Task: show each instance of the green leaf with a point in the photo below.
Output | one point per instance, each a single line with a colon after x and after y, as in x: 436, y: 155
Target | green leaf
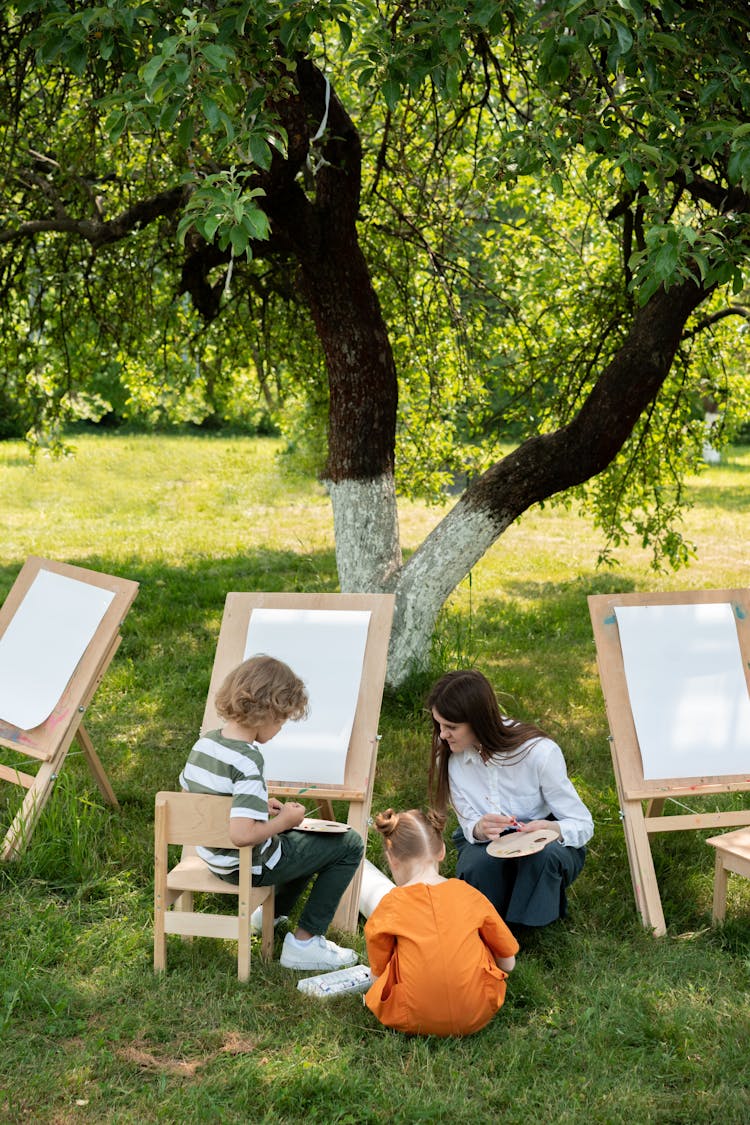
x: 51, y: 47
x: 256, y: 224
x: 738, y: 168
x: 391, y: 92
x: 558, y: 68
x: 633, y: 172
x: 168, y: 115
x: 151, y: 69
x: 211, y: 111
x: 260, y: 151
x: 78, y: 59
x: 664, y: 262
x: 624, y: 37
x: 210, y: 226
x: 115, y: 126
x: 217, y: 56
x: 185, y: 132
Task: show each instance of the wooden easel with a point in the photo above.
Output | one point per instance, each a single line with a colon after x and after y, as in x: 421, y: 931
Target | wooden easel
x: 50, y: 741
x: 632, y: 788
x: 361, y: 758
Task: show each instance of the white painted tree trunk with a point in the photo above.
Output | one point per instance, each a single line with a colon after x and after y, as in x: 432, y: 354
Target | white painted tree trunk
x: 368, y: 557
x: 430, y: 576
x: 365, y: 514
x: 365, y: 525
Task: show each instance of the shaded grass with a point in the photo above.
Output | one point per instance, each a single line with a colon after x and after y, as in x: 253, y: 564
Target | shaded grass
x: 602, y: 1023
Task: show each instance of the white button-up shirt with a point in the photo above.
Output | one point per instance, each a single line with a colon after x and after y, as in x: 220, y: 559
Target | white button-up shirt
x: 530, y: 783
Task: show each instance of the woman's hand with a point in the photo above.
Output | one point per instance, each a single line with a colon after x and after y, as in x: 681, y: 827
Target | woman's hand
x: 535, y: 825
x: 492, y: 825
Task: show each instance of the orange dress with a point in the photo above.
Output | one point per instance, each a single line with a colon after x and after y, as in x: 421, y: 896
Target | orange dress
x: 431, y: 948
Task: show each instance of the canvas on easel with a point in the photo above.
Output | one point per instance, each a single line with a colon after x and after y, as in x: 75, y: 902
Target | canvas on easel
x: 338, y: 645
x: 674, y: 674
x: 59, y: 630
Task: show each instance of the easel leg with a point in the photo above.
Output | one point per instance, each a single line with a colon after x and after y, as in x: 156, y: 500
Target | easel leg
x: 347, y: 915
x: 326, y: 807
x: 96, y: 767
x: 645, y: 886
x: 25, y: 819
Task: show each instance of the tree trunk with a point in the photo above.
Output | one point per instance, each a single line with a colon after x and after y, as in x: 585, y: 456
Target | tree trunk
x: 320, y: 229
x: 536, y: 470
x: 319, y: 226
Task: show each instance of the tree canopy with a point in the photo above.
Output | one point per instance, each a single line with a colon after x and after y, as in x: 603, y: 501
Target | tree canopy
x: 421, y: 229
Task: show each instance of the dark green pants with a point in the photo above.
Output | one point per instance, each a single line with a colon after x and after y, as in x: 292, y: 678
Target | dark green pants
x: 331, y: 860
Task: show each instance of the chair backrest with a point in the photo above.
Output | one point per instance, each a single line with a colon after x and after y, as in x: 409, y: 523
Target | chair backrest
x: 194, y: 818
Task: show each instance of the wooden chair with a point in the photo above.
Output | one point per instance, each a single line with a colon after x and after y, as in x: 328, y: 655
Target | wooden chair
x: 732, y: 854
x: 193, y: 819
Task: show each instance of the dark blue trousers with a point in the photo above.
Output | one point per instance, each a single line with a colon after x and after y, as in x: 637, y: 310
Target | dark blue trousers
x: 528, y: 891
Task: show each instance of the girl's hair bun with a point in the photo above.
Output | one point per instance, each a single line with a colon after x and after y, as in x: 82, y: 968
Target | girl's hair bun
x: 410, y: 834
x: 436, y: 820
x: 387, y: 822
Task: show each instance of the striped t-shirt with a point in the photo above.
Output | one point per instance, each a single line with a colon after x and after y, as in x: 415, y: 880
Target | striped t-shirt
x: 231, y: 768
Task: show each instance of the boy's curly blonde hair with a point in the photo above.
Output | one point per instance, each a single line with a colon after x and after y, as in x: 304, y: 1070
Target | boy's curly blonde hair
x: 262, y: 688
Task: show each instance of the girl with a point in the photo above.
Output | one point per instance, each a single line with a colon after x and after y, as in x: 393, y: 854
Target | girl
x: 440, y: 951
x: 501, y: 775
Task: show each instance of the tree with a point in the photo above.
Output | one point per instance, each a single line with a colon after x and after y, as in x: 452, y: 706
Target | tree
x: 227, y: 145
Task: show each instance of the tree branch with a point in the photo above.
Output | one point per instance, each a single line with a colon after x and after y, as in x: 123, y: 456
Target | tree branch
x: 102, y: 233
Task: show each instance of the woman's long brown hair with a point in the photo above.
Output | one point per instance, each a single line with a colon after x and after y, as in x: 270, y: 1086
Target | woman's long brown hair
x: 468, y: 697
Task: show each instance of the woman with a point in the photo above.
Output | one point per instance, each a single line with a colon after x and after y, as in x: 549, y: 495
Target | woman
x: 501, y: 775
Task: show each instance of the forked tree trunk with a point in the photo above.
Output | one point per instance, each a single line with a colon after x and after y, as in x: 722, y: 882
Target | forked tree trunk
x: 335, y: 280
x: 536, y: 470
x: 319, y: 229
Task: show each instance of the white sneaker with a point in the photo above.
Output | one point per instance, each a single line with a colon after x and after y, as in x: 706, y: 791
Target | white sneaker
x: 256, y: 920
x: 318, y: 954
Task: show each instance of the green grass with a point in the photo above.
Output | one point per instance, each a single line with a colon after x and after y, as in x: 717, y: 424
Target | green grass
x: 602, y: 1023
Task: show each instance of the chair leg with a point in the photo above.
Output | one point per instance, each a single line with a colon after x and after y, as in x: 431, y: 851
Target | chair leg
x: 720, y: 889
x: 185, y: 901
x: 243, y: 938
x: 267, y: 928
x: 160, y: 939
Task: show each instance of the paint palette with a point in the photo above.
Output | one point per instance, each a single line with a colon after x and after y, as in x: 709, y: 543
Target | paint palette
x: 517, y: 844
x: 312, y: 824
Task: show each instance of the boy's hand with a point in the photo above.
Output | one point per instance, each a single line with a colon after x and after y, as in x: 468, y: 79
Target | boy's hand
x: 274, y: 806
x: 292, y: 814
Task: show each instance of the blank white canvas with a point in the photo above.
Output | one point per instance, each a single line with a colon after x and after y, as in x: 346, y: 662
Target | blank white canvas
x: 688, y: 693
x: 43, y: 643
x: 326, y: 649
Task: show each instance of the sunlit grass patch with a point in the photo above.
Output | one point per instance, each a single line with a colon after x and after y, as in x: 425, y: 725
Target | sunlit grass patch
x: 602, y: 1023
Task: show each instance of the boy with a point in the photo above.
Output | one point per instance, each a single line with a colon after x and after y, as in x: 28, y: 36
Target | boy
x: 255, y: 700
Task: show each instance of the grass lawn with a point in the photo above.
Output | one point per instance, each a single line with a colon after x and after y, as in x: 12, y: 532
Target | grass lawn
x: 602, y: 1022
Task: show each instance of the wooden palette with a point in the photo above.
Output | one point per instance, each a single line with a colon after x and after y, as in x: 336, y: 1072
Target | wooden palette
x: 312, y: 824
x: 517, y: 844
